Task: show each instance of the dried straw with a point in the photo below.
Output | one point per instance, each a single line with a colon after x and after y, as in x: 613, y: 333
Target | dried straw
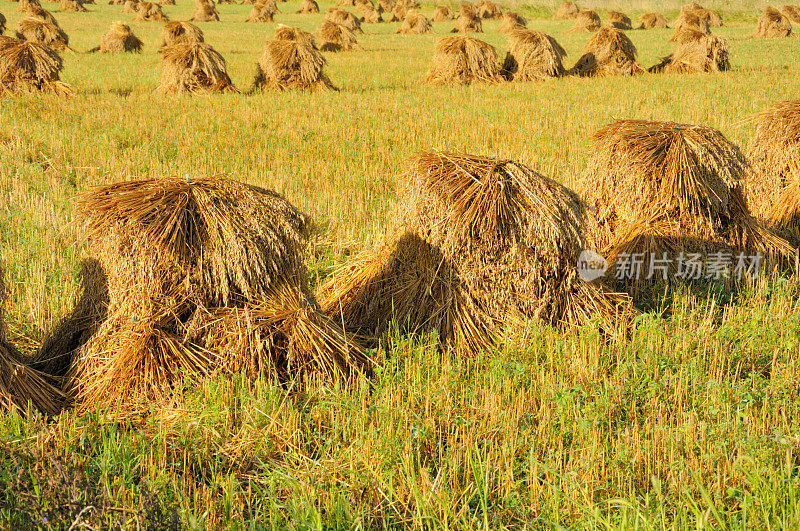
x: 120, y: 39
x: 533, y: 56
x: 194, y: 67
x: 150, y: 12
x: 442, y: 14
x: 791, y: 11
x: 462, y: 60
x: 608, y: 52
x: 467, y: 22
x: 263, y: 11
x: 205, y: 11
x: 567, y: 10
x: 699, y: 53
x: 344, y: 18
x: 488, y: 9
x: 586, y: 20
x: 30, y: 67
x: 773, y: 24
x: 415, y: 23
x: 292, y: 62
x: 653, y: 21
x: 619, y: 20
x: 72, y: 5
x: 512, y: 22
x: 177, y: 32
x: 334, y: 37
x: 37, y: 30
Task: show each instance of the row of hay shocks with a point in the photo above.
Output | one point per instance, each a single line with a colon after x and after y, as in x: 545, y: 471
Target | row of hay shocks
x: 186, y: 279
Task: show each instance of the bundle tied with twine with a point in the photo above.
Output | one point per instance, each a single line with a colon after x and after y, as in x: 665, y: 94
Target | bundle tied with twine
x: 459, y: 59
x: 204, y: 277
x: 511, y: 22
x: 443, y: 14
x: 415, y: 24
x: 475, y: 244
x: 663, y: 187
x: 308, y: 7
x: 150, y: 12
x: 533, y: 56
x: 567, y: 10
x: 262, y: 11
x: 619, y: 20
x: 194, y: 67
x: 334, y: 37
x: 773, y: 24
x: 702, y: 53
x: 28, y: 67
x: 292, y: 62
x: 608, y: 52
x: 120, y: 39
x: 653, y: 21
x: 177, y: 32
x: 773, y: 189
x: 205, y: 11
x: 39, y: 29
x: 468, y: 21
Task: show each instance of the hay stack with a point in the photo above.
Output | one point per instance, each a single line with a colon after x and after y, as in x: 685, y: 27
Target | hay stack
x: 19, y: 383
x: 468, y: 21
x: 792, y: 12
x: 512, y: 22
x: 205, y: 11
x: 36, y: 30
x: 475, y: 244
x: 487, y: 9
x: 416, y: 24
x: 567, y: 10
x: 150, y: 12
x: 131, y: 7
x: 263, y: 11
x: 27, y: 6
x: 533, y: 56
x: 694, y: 16
x: 177, y: 32
x: 698, y: 53
x: 30, y: 67
x: 653, y: 21
x: 619, y: 20
x: 586, y: 20
x: 37, y: 11
x: 344, y: 18
x: 608, y: 52
x: 2, y: 23
x: 292, y: 62
x: 75, y: 6
x: 308, y: 7
x: 663, y: 187
x: 194, y: 67
x: 386, y: 6
x: 289, y: 33
x: 773, y: 24
x: 773, y: 189
x: 334, y: 37
x: 120, y: 39
x: 368, y: 13
x: 398, y: 12
x: 462, y: 60
x: 442, y: 14
x: 204, y: 277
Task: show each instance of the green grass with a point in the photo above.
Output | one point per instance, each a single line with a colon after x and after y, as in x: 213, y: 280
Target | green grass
x: 690, y: 422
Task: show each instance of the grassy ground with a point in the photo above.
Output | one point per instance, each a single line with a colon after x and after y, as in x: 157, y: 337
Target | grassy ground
x: 691, y: 422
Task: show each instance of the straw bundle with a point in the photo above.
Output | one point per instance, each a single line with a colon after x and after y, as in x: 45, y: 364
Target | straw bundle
x: 368, y: 13
x: 308, y: 6
x: 512, y: 22
x: 475, y: 244
x: 20, y: 384
x: 345, y: 3
x: 619, y: 20
x: 39, y: 31
x: 712, y: 17
x: 699, y: 53
x: 26, y: 6
x: 663, y: 187
x: 292, y: 64
x: 608, y: 52
x: 692, y: 16
x: 205, y: 11
x: 462, y: 60
x: 2, y: 23
x: 442, y: 14
x: 773, y: 24
x: 398, y: 12
x: 488, y: 9
x: 30, y: 67
x: 533, y: 56
x: 150, y: 12
x: 177, y: 32
x: 120, y: 39
x: 289, y: 33
x: 773, y: 190
x: 334, y: 37
x: 344, y: 18
x: 204, y: 277
x: 792, y: 12
x: 37, y: 11
x: 653, y: 21
x: 194, y: 67
x: 415, y: 23
x: 263, y: 11
x: 131, y: 7
x: 166, y: 2
x: 386, y: 6
x: 567, y: 10
x: 72, y: 5
x: 117, y: 2
x: 586, y: 20
x: 468, y: 22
